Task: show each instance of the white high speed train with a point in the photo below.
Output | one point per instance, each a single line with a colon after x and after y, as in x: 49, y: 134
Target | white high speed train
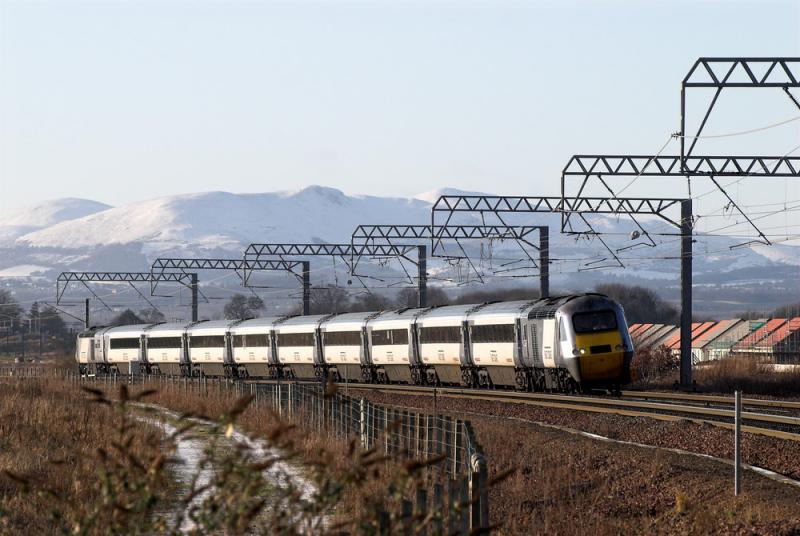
x: 562, y: 343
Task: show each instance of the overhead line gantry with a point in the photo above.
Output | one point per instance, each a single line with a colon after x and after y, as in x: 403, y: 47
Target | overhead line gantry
x: 345, y: 252
x: 436, y: 234
x: 187, y: 279
x: 239, y: 266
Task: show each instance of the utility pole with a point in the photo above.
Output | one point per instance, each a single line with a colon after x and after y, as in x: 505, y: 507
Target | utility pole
x: 86, y: 322
x: 193, y: 286
x: 422, y: 276
x: 686, y: 292
x: 544, y: 261
x: 306, y: 288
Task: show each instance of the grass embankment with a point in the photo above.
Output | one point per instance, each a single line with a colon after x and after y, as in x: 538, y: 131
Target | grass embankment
x: 69, y: 465
x: 657, y: 369
x: 570, y: 484
x: 63, y: 460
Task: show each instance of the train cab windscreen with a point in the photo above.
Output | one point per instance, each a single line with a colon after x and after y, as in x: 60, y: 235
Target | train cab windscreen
x: 594, y: 321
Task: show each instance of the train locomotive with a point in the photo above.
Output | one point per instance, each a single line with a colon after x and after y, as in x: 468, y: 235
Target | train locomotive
x: 567, y: 343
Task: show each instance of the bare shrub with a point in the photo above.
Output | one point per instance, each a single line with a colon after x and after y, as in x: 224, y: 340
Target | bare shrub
x: 653, y: 365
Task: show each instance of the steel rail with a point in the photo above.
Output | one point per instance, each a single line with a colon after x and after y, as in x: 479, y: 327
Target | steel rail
x: 712, y: 399
x: 602, y: 405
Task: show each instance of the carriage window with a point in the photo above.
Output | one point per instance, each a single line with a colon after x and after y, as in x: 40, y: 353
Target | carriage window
x: 257, y: 339
x: 493, y: 333
x: 238, y: 341
x: 440, y: 335
x: 295, y: 339
x: 594, y: 321
x: 342, y: 338
x: 381, y: 337
x: 163, y: 342
x: 207, y: 341
x: 131, y: 343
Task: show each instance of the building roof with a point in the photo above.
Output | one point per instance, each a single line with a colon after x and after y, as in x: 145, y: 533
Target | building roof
x: 780, y: 334
x: 760, y: 333
x: 716, y: 331
x: 658, y: 337
x: 698, y: 328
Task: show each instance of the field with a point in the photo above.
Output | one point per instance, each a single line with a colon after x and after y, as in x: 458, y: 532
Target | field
x: 560, y: 482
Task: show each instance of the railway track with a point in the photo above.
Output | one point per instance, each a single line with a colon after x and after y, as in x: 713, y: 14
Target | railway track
x: 763, y: 417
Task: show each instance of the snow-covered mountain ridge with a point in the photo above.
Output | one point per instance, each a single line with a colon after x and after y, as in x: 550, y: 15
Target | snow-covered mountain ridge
x: 77, y: 234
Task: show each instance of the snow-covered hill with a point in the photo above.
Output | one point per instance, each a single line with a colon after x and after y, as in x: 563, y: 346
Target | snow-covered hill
x: 78, y: 234
x: 222, y: 220
x: 45, y: 214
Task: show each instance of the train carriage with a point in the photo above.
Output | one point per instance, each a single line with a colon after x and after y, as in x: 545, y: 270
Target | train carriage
x: 344, y: 346
x: 443, y: 350
x: 123, y: 348
x: 209, y: 348
x: 298, y: 348
x: 166, y: 346
x: 252, y: 343
x: 496, y: 348
x: 89, y: 354
x: 393, y: 352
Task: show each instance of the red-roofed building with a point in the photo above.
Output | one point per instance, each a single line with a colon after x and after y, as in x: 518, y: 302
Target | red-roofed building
x: 747, y: 345
x: 716, y: 342
x: 783, y: 344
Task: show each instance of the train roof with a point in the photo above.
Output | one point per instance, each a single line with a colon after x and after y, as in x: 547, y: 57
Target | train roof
x: 299, y: 324
x: 210, y: 327
x: 396, y: 319
x: 167, y: 328
x: 127, y: 331
x: 501, y: 312
x: 446, y: 315
x: 348, y: 321
x: 257, y: 325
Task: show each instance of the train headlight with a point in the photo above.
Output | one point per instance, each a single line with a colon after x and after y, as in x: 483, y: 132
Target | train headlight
x: 582, y: 350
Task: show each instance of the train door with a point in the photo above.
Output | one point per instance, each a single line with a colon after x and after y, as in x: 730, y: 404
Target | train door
x: 549, y: 346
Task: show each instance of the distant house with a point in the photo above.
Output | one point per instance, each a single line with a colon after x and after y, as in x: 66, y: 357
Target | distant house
x: 782, y: 345
x: 698, y: 328
x: 747, y: 346
x: 716, y: 342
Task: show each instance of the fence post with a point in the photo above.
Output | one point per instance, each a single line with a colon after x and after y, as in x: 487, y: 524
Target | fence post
x: 479, y: 507
x: 362, y: 414
x: 421, y: 507
x: 464, y: 502
x: 438, y: 517
x: 737, y: 444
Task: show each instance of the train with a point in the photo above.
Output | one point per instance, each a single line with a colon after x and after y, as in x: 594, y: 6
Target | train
x: 570, y: 343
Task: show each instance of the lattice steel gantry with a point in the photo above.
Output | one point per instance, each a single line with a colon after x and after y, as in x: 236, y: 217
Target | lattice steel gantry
x: 436, y: 234
x: 187, y: 279
x: 735, y: 72
x: 345, y: 252
x: 239, y: 266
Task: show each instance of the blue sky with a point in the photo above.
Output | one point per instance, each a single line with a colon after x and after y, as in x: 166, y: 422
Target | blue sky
x: 122, y: 101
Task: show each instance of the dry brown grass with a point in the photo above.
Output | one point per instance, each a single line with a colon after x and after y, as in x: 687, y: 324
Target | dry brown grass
x: 749, y: 375
x: 50, y: 434
x: 570, y: 484
x: 657, y: 369
x: 111, y: 477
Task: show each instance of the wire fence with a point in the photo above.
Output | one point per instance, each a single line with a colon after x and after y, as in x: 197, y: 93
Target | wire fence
x: 455, y: 479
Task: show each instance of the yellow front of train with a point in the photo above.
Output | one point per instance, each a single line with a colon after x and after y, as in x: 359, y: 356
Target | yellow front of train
x: 597, y: 342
